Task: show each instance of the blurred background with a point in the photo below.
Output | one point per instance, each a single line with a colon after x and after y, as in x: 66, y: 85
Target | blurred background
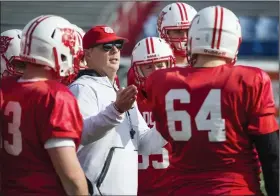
x: 136, y: 20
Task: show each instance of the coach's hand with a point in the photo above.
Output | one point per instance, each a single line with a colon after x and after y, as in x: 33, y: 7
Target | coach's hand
x: 125, y: 98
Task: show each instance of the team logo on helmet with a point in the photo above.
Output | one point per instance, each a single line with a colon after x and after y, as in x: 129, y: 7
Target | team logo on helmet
x: 69, y: 39
x: 4, y: 43
x: 160, y: 19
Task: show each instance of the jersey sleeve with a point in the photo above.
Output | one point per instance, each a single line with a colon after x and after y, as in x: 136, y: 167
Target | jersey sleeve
x: 59, y: 142
x: 262, y: 109
x: 59, y: 117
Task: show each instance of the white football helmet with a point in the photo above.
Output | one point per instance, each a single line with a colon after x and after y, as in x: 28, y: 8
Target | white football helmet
x: 51, y: 41
x: 9, y: 49
x: 79, y: 30
x: 215, y: 31
x: 80, y: 56
x: 175, y: 16
x: 81, y: 34
x: 150, y: 50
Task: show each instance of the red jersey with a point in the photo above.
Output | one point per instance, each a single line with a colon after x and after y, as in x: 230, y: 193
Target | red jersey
x: 152, y: 169
x: 207, y: 115
x: 131, y: 77
x: 34, y: 112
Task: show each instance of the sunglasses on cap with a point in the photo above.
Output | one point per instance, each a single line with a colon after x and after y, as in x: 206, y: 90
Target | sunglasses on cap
x: 108, y: 46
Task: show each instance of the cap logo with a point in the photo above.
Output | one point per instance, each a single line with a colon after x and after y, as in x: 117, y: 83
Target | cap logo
x: 108, y: 30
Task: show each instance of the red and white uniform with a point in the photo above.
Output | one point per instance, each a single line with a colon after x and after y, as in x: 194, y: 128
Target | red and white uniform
x: 181, y: 65
x: 271, y: 68
x: 207, y: 115
x: 10, y: 47
x: 152, y: 169
x: 33, y: 113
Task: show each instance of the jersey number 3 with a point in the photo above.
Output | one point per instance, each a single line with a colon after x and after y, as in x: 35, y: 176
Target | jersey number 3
x: 211, y: 105
x: 15, y: 147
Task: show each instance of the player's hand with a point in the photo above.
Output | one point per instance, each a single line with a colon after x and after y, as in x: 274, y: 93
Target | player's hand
x: 125, y: 98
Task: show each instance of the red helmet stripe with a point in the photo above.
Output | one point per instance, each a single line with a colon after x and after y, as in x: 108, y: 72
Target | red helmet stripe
x: 28, y: 38
x: 221, y: 28
x: 147, y: 45
x: 152, y: 45
x: 185, y: 10
x: 215, y: 27
x: 181, y: 11
x: 27, y: 34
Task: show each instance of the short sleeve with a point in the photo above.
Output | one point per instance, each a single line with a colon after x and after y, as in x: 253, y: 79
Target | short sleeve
x: 59, y: 142
x: 262, y: 110
x: 59, y: 117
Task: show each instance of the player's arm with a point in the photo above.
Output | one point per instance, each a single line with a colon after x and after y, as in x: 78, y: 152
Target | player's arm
x: 96, y: 124
x: 267, y: 146
x: 64, y: 159
x: 60, y: 131
x: 264, y: 131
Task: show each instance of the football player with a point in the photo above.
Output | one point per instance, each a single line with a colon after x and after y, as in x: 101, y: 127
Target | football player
x: 216, y: 115
x: 150, y: 54
x: 41, y: 122
x: 9, y: 52
x: 173, y: 25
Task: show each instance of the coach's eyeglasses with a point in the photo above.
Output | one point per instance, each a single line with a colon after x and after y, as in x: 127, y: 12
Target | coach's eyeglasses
x: 108, y: 46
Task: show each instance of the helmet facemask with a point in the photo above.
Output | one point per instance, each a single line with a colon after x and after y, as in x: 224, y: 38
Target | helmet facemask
x: 9, y: 50
x: 13, y: 67
x: 138, y: 68
x: 178, y: 44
